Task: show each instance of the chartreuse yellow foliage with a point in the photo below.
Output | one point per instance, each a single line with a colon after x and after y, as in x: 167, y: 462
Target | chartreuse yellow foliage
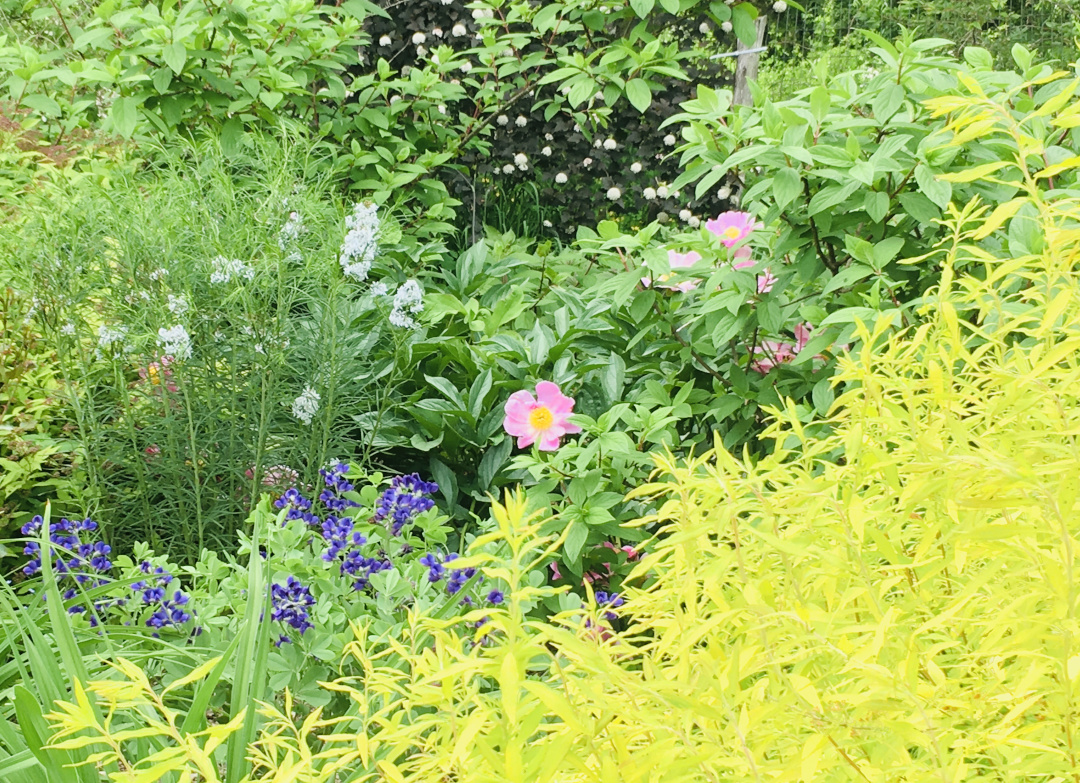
x: 896, y: 601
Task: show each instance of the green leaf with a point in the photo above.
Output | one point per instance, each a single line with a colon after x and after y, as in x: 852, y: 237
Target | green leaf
x: 642, y: 7
x: 863, y: 172
x: 175, y: 55
x: 575, y: 540
x: 639, y: 94
x: 271, y: 99
x: 786, y: 186
x: 933, y: 188
x: 823, y: 396
x: 887, y: 102
x: 877, y: 205
x: 494, y: 458
x: 124, y: 113
x: 232, y: 136
x: 820, y: 103
x: 742, y: 22
x: 845, y: 277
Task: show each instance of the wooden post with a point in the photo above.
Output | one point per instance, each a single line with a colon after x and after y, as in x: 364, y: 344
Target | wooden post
x: 746, y: 66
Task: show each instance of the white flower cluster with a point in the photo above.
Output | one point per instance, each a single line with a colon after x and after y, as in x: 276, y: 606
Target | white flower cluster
x: 67, y: 329
x: 306, y: 405
x: 291, y: 231
x: 109, y: 336
x: 159, y: 273
x: 175, y: 341
x: 361, y: 242
x: 408, y: 301
x: 178, y: 305
x: 225, y: 269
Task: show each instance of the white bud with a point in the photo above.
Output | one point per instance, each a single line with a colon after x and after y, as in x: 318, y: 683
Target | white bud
x: 635, y: 167
x: 694, y: 221
x: 508, y: 168
x: 385, y: 41
x: 521, y: 121
x: 437, y: 32
x: 560, y: 178
x: 523, y: 166
x: 521, y: 158
x: 442, y: 108
x: 610, y: 144
x: 548, y: 137
x: 597, y: 143
x: 587, y: 162
x: 662, y: 191
x: 685, y: 215
x: 649, y: 194
x: 395, y: 98
x: 614, y: 194
x: 458, y: 29
x: 546, y: 152
x: 465, y: 66
x: 418, y: 38
x: 669, y: 140
x: 547, y: 224
x: 478, y: 13
x: 779, y: 6
x: 734, y: 201
x: 434, y: 56
x: 723, y: 192
x: 502, y: 119
x: 704, y: 28
x: 727, y: 27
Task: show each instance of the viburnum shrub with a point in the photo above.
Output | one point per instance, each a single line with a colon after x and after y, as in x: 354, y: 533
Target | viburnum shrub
x: 402, y: 93
x: 903, y: 612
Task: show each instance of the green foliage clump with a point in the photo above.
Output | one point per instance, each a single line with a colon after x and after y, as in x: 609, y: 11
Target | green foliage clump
x: 894, y: 599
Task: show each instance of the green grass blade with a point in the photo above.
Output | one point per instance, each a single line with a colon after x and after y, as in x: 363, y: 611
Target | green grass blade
x: 249, y: 679
x: 195, y: 720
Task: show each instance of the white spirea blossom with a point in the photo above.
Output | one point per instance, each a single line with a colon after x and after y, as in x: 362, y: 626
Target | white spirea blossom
x: 225, y: 269
x: 178, y: 305
x: 361, y: 241
x: 723, y: 192
x: 521, y: 121
x: 587, y: 162
x: 306, y: 405
x: 437, y: 32
x: 157, y: 274
x: 420, y: 52
x: 508, y: 168
x: 291, y: 231
x: 694, y: 221
x: 649, y: 194
x: 734, y: 201
x: 610, y: 144
x: 384, y: 41
x: 662, y: 191
x: 635, y: 167
x: 779, y: 6
x: 520, y: 159
x: 408, y: 301
x: 458, y: 29
x: 546, y: 152
x: 395, y: 98
x: 560, y: 178
x: 597, y: 143
x: 418, y: 38
x: 379, y: 289
x: 465, y: 67
x: 502, y: 119
x: 441, y: 108
x: 669, y: 140
x: 727, y: 27
x: 549, y: 137
x: 175, y: 341
x: 685, y: 215
x: 614, y: 194
x: 547, y: 224
x: 704, y: 28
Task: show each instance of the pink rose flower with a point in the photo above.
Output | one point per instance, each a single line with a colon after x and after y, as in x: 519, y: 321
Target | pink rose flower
x: 731, y: 227
x: 776, y: 353
x: 742, y: 259
x: 677, y: 261
x: 542, y: 419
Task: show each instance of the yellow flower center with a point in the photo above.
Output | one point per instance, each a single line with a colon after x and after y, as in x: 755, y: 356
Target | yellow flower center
x: 540, y: 418
x: 152, y: 372
x: 732, y: 232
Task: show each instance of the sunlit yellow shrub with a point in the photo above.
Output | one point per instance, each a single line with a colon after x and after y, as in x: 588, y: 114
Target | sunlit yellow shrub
x: 894, y: 602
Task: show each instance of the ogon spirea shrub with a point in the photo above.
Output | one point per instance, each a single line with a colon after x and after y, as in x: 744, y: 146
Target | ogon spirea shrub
x: 894, y: 602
